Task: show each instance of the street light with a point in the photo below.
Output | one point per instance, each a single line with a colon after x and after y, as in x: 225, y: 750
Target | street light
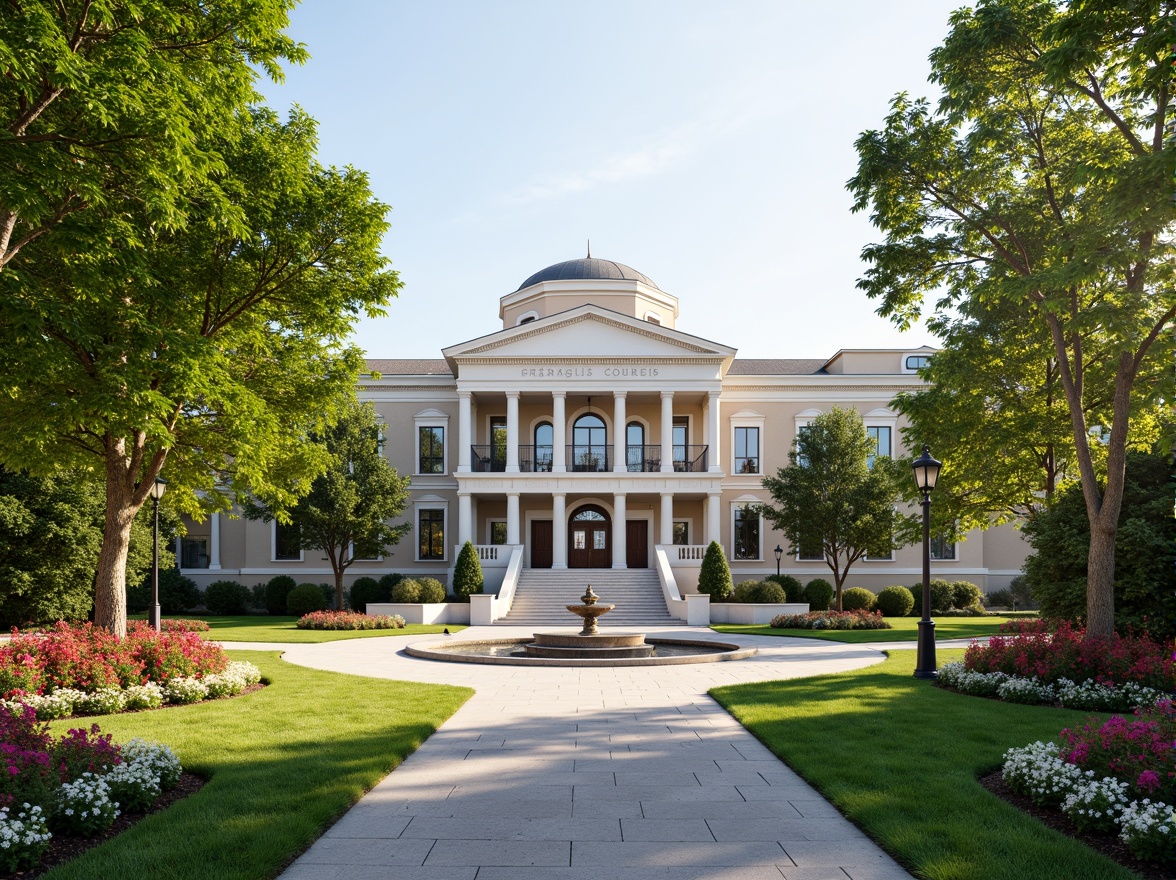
x: 779, y: 551
x: 926, y: 475
x: 157, y: 490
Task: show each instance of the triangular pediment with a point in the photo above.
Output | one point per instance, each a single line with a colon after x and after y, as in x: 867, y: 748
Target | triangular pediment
x: 588, y: 332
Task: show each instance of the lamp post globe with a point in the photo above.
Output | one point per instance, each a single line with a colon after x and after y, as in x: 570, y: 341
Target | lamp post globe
x: 779, y: 551
x: 153, y: 615
x: 926, y: 471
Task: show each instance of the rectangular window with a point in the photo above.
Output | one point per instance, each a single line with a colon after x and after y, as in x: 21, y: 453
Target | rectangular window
x: 810, y: 550
x: 747, y: 528
x: 682, y: 532
x: 193, y: 552
x: 881, y: 444
x: 681, y: 437
x: 432, y: 441
x: 431, y: 531
x: 498, y: 443
x: 747, y: 450
x: 942, y: 549
x: 287, y: 542
x: 578, y: 540
x: 498, y: 532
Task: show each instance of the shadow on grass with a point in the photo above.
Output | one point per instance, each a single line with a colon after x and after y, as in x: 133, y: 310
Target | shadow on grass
x: 283, y: 764
x: 901, y: 757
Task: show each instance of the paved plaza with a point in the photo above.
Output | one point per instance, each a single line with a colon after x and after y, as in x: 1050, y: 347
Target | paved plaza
x: 619, y: 773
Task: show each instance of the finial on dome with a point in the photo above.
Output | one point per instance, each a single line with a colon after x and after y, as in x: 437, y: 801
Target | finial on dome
x: 589, y: 249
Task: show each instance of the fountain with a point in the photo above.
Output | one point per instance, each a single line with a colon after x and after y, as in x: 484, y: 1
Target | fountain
x: 589, y: 643
x: 589, y: 647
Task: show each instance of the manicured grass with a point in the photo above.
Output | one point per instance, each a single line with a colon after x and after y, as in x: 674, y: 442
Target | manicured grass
x: 263, y: 628
x: 901, y: 757
x: 283, y: 764
x: 903, y: 629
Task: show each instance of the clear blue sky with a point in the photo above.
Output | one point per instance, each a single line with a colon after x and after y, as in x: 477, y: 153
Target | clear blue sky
x: 706, y: 144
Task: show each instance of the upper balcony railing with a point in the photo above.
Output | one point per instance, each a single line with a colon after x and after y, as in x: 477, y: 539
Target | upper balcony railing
x: 587, y: 458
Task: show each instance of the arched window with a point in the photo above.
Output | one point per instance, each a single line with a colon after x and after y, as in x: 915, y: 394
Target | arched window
x: 544, y: 446
x: 589, y: 444
x: 635, y: 446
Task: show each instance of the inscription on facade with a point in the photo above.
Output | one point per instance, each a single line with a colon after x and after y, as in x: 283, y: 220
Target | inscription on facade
x: 586, y: 372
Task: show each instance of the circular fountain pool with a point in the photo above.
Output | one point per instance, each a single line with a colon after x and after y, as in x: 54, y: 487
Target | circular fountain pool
x: 513, y: 652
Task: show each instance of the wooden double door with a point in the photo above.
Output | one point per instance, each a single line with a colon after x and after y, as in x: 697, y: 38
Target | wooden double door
x: 590, y: 541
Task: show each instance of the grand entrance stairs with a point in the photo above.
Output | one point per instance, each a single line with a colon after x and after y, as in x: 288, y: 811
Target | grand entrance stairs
x: 543, y: 593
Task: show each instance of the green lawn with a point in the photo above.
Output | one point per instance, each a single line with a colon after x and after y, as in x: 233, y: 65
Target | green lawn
x: 903, y: 629
x: 900, y: 758
x: 263, y: 628
x: 283, y: 764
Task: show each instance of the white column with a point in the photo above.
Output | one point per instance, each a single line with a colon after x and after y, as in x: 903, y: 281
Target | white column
x: 559, y: 531
x: 714, y: 453
x: 620, y: 459
x: 559, y: 433
x: 512, y: 432
x: 667, y: 431
x: 214, y: 541
x: 620, y: 559
x: 465, y: 422
x: 512, y: 518
x: 713, y: 505
x: 465, y: 519
x: 667, y: 518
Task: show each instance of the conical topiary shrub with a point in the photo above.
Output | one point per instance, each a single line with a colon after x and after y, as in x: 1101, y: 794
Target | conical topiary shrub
x: 715, y: 577
x: 467, y: 573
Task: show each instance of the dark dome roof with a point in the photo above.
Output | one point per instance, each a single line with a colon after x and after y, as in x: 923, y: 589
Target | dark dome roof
x: 588, y: 268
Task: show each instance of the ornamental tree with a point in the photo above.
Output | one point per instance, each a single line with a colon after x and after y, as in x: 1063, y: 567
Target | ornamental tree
x: 106, y: 110
x: 348, y: 506
x: 829, y: 496
x: 714, y: 577
x: 467, y: 573
x: 209, y: 354
x: 1040, y: 187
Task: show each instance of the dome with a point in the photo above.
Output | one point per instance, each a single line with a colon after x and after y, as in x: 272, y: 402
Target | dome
x: 588, y: 268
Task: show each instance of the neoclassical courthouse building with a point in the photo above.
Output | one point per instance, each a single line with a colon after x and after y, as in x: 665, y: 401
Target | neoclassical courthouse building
x: 591, y: 432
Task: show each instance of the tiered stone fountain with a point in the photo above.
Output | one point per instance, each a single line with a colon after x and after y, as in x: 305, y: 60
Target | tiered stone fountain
x: 589, y: 643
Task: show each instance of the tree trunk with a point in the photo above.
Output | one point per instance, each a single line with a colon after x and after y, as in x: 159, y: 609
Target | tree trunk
x: 110, y: 585
x: 339, y: 589
x: 1100, y: 568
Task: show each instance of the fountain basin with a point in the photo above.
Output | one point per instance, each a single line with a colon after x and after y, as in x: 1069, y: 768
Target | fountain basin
x: 588, y: 647
x: 512, y: 652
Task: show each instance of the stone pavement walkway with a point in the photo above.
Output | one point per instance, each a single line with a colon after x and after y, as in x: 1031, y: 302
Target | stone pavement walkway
x: 621, y: 773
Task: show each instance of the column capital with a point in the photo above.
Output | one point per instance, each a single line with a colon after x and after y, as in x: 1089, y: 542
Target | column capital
x: 514, y: 394
x: 620, y: 394
x: 464, y: 394
x: 560, y: 394
x: 667, y: 395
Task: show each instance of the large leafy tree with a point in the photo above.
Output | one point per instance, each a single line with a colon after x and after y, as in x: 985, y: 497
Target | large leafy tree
x: 106, y: 107
x: 209, y: 353
x: 830, y: 497
x: 349, y: 505
x: 1040, y: 186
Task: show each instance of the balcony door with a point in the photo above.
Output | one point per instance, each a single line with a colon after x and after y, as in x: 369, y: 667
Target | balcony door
x: 590, y: 538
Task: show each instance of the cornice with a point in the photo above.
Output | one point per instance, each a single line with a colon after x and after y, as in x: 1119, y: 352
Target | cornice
x: 591, y: 361
x: 542, y: 331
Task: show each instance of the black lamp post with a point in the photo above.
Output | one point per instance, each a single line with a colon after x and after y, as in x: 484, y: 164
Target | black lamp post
x: 779, y: 551
x: 926, y: 475
x: 157, y: 490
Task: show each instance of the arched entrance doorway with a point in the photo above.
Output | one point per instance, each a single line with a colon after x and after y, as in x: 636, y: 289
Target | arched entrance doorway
x: 590, y: 538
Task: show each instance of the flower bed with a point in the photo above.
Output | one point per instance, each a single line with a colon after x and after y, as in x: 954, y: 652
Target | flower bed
x: 349, y: 620
x: 76, y: 785
x: 200, y: 626
x: 80, y: 670
x: 1064, y: 692
x: 831, y: 620
x: 1036, y: 649
x: 1115, y: 777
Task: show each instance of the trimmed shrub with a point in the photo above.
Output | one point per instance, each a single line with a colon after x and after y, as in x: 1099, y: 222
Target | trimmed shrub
x: 387, y: 582
x: 941, y: 596
x: 793, y: 589
x: 895, y: 602
x: 362, y: 592
x: 857, y: 599
x: 304, y: 599
x: 830, y: 620
x: 406, y: 591
x: 276, y: 592
x: 714, y: 579
x: 227, y: 597
x: 819, y: 594
x: 965, y: 595
x: 257, y: 597
x: 467, y: 573
x: 769, y: 593
x: 177, y: 593
x: 328, y: 595
x: 744, y: 590
x: 432, y: 590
